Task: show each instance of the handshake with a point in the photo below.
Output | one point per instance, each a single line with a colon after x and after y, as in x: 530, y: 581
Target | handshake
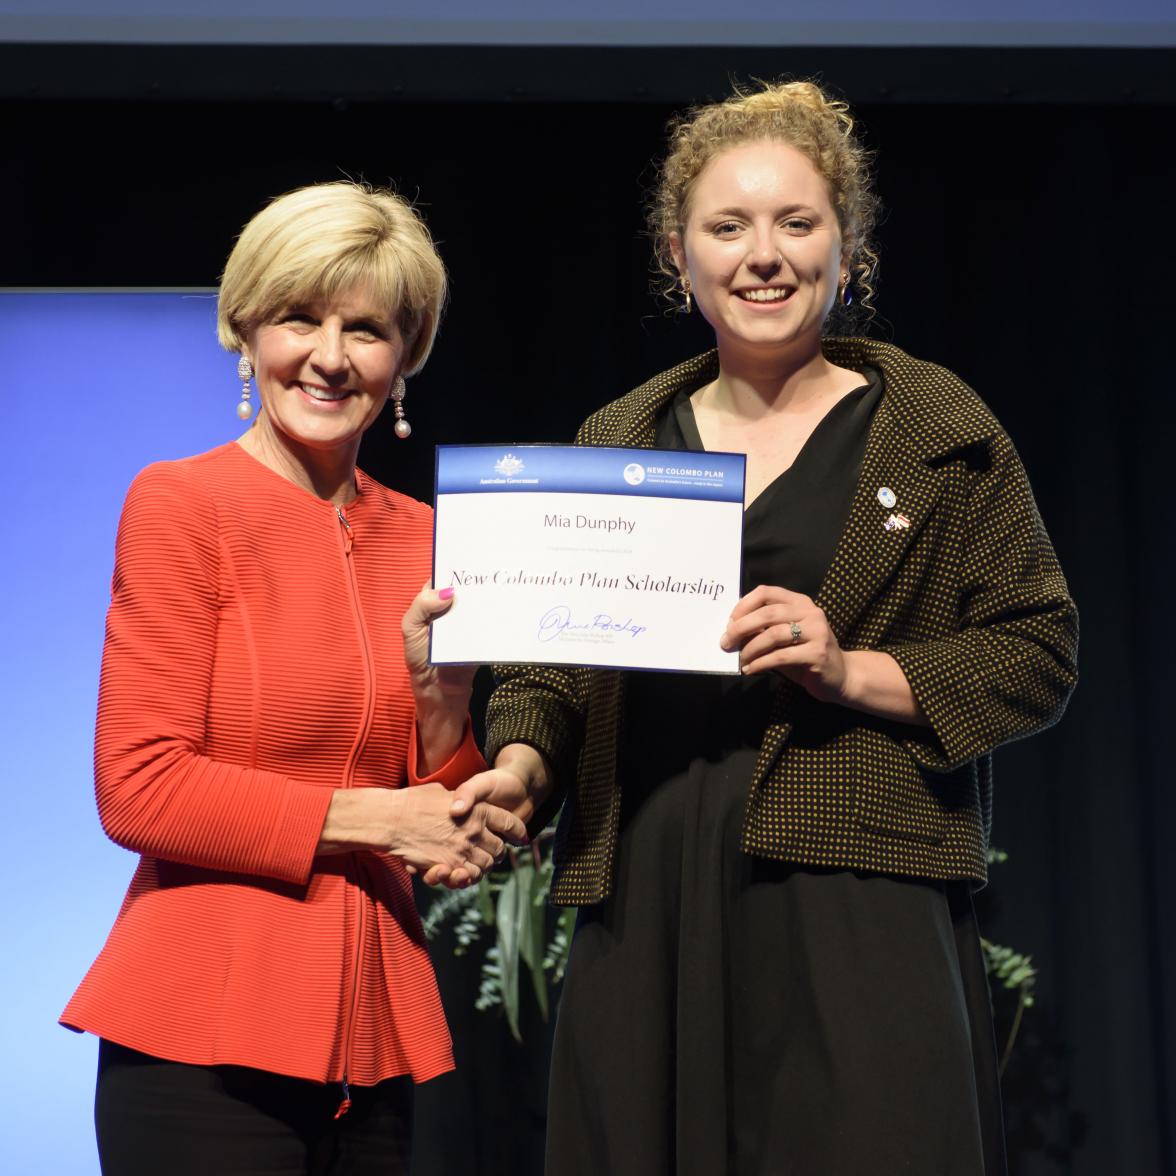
x: 449, y: 838
x: 484, y: 814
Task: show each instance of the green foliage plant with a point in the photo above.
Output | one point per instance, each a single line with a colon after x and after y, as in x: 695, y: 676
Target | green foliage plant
x: 1010, y: 970
x: 507, y: 913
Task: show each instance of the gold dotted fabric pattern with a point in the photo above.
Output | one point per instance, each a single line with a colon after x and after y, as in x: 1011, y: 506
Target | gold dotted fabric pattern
x: 968, y: 598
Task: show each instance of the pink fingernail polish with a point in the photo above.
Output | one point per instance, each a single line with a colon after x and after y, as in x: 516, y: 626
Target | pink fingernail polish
x: 445, y: 593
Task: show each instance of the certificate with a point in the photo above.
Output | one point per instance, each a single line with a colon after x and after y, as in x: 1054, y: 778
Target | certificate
x: 578, y: 555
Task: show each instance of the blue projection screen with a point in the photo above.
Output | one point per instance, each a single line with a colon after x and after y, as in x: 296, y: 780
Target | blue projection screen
x: 100, y: 384
x: 604, y: 22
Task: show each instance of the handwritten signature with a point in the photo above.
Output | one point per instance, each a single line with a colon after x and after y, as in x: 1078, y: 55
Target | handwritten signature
x: 558, y: 619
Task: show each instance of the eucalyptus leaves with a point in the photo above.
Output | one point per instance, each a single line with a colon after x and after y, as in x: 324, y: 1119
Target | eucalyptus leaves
x: 1012, y: 970
x: 527, y: 934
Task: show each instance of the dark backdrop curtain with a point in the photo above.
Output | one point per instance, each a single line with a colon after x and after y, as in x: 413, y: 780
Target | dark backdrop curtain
x: 1028, y: 248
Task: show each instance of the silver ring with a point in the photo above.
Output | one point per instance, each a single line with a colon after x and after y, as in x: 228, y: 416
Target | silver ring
x: 794, y: 629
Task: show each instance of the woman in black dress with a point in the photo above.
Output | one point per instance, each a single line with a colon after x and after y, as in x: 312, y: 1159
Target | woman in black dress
x: 776, y: 967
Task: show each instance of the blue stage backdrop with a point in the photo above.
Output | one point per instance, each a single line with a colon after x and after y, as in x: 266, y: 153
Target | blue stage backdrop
x: 100, y: 384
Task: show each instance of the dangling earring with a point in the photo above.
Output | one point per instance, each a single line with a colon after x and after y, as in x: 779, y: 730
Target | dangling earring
x: 244, y: 374
x: 688, y: 301
x: 402, y: 427
x: 846, y: 291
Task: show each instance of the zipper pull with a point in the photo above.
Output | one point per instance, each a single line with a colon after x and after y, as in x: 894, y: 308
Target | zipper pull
x: 345, y: 1105
x: 348, y: 534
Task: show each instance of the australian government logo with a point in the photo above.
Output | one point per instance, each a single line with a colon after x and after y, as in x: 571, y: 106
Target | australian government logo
x: 508, y: 467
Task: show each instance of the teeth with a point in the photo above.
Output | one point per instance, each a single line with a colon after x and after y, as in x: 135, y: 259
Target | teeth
x: 324, y: 393
x: 775, y: 295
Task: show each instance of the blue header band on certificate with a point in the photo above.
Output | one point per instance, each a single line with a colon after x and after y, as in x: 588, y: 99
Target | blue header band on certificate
x: 646, y: 473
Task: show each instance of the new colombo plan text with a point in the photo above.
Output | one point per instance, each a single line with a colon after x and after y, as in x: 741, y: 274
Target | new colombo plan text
x: 631, y: 581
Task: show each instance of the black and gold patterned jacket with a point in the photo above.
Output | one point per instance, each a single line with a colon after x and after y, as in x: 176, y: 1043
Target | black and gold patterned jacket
x: 969, y: 599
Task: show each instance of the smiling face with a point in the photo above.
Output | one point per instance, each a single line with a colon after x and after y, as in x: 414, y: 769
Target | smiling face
x: 762, y: 248
x: 324, y: 370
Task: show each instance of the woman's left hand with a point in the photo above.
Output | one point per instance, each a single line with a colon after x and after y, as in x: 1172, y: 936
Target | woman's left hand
x: 441, y: 693
x: 775, y: 629
x: 431, y: 681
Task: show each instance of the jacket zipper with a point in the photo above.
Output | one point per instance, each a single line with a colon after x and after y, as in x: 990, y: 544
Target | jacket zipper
x: 348, y: 542
x: 353, y: 1004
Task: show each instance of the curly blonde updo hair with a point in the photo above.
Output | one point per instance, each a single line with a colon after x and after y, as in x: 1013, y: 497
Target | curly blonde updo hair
x: 800, y: 114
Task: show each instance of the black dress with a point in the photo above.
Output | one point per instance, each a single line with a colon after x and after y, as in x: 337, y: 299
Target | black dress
x: 726, y: 1015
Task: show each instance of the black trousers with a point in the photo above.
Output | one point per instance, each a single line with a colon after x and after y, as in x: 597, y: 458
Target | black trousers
x: 155, y: 1116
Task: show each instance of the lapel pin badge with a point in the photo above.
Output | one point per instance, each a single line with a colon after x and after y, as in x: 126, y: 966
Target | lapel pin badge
x: 886, y: 497
x: 897, y: 522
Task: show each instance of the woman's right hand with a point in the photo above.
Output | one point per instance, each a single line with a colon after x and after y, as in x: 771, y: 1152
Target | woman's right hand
x: 518, y: 783
x: 418, y: 826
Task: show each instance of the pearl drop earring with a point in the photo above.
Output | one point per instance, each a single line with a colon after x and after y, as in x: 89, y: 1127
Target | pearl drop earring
x: 402, y: 427
x: 244, y: 374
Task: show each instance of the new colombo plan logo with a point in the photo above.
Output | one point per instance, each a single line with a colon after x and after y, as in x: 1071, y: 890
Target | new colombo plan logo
x: 508, y: 465
x: 634, y: 473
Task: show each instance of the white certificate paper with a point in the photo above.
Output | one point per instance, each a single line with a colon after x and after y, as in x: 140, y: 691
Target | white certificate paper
x: 578, y: 555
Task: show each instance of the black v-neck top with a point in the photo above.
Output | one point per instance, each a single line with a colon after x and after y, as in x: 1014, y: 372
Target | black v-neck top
x: 790, y: 533
x: 791, y: 530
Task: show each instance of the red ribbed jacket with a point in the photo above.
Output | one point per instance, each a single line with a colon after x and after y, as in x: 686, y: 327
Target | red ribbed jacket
x: 253, y: 664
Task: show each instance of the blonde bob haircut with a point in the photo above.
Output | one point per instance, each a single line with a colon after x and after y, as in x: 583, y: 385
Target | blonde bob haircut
x: 322, y: 240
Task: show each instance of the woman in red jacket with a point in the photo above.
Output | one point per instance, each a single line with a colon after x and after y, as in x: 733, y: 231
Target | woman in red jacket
x: 265, y: 1000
